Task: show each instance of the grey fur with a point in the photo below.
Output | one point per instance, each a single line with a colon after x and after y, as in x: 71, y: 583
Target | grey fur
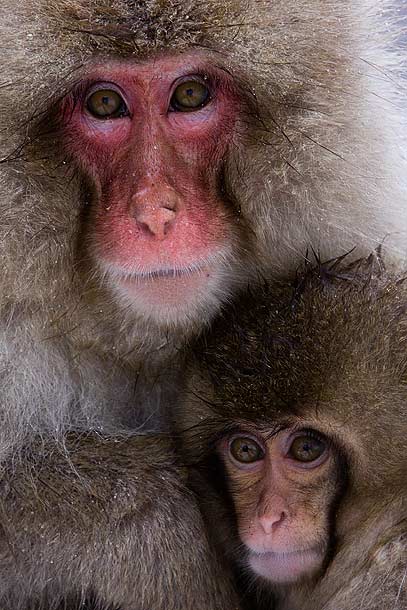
x: 317, y: 159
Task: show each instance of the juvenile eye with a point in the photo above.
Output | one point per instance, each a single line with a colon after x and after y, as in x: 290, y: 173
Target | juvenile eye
x: 306, y: 448
x: 106, y: 104
x: 246, y: 450
x: 190, y: 95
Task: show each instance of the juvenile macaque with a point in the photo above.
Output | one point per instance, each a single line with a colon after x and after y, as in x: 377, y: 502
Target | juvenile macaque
x: 155, y: 156
x: 301, y: 405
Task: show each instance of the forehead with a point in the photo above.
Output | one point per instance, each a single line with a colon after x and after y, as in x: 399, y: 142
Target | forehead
x: 343, y: 346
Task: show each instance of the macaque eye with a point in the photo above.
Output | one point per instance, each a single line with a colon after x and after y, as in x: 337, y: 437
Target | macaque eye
x: 190, y: 95
x: 306, y: 448
x: 106, y: 104
x: 246, y: 450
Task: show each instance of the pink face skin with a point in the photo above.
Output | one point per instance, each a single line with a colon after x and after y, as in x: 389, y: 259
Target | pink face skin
x: 282, y: 488
x: 160, y: 230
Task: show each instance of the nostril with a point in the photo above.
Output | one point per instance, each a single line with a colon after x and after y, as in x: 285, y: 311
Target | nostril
x: 271, y: 521
x: 282, y: 518
x: 166, y: 227
x: 156, y: 221
x: 272, y: 513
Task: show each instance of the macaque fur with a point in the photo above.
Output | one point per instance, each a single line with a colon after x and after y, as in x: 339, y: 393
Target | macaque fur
x: 121, y: 237
x: 104, y: 525
x: 326, y: 361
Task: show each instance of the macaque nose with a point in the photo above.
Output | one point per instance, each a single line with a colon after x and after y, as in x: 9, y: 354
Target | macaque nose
x: 272, y: 515
x: 155, y: 210
x: 156, y: 220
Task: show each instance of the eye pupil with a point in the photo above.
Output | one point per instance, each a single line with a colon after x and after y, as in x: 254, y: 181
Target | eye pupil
x: 190, y: 96
x: 106, y: 104
x: 306, y: 449
x: 246, y: 450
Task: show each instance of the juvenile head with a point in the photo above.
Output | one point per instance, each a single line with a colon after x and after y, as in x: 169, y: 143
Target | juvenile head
x: 301, y: 396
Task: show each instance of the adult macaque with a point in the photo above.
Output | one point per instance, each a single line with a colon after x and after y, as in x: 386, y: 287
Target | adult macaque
x: 302, y: 402
x: 154, y: 156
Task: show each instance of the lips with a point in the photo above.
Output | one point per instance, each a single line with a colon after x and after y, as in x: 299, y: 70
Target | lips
x: 171, y: 294
x: 160, y: 274
x: 285, y: 567
x: 165, y: 290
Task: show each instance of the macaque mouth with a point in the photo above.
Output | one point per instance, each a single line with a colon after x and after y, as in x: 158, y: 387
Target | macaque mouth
x: 138, y: 275
x: 172, y: 288
x: 286, y: 566
x: 163, y: 274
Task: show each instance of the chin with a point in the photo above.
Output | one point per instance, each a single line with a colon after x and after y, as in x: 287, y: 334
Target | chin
x: 171, y: 298
x: 286, y: 567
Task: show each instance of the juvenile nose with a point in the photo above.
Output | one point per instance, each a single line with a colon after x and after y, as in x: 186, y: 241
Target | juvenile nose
x: 156, y: 210
x: 272, y: 514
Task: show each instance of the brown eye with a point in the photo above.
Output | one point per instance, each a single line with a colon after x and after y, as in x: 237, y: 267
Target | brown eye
x: 106, y: 104
x: 190, y: 96
x: 246, y: 450
x: 306, y: 448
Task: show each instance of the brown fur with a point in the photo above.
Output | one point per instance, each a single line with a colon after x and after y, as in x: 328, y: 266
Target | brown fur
x: 330, y: 356
x: 316, y: 155
x: 88, y: 518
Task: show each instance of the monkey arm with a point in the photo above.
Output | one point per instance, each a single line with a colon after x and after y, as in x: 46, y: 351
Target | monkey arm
x: 369, y: 571
x: 109, y: 517
x: 382, y: 584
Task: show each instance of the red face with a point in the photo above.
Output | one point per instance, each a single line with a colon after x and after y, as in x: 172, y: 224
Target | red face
x: 282, y: 487
x: 152, y: 139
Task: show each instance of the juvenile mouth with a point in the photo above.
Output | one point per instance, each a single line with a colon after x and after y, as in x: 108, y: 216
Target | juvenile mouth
x: 285, y: 566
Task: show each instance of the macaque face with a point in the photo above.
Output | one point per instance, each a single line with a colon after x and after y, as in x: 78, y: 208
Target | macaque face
x: 282, y: 487
x: 152, y: 139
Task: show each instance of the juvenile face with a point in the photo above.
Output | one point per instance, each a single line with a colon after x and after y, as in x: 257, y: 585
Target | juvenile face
x: 282, y: 487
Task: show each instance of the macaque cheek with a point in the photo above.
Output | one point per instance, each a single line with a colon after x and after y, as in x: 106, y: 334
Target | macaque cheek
x: 97, y: 147
x: 208, y: 133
